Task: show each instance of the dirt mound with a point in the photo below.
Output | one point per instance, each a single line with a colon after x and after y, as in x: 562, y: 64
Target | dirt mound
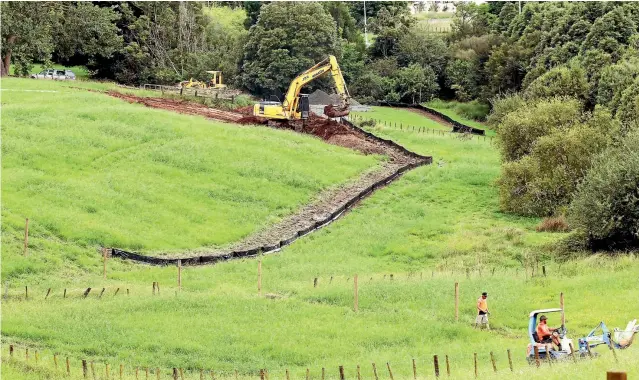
x: 181, y: 106
x: 248, y: 110
x: 325, y: 128
x: 319, y: 98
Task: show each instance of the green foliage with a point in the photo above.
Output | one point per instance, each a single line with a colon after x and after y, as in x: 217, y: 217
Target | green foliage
x: 462, y: 76
x: 561, y: 81
x: 419, y: 46
x: 417, y: 81
x: 547, y: 147
x: 615, y: 79
x: 628, y: 112
x: 606, y: 206
x: 502, y: 105
x: 280, y: 46
x: 471, y: 20
x: 468, y: 113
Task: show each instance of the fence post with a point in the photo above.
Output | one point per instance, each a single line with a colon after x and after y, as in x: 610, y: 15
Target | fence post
x: 492, y: 360
x: 475, y: 356
x: 390, y: 372
x: 175, y: 374
x: 414, y: 369
x: 447, y: 366
x: 561, y: 305
x: 11, y: 350
x: 510, y: 360
x: 26, y: 237
x: 572, y: 353
x: 47, y: 296
x: 610, y: 375
x: 86, y: 292
x: 543, y: 269
x: 436, y: 364
x: 104, y: 265
x: 355, y: 293
x: 259, y: 277
x: 55, y: 361
x: 84, y: 368
x: 179, y: 265
x: 315, y: 282
x: 341, y: 373
x: 26, y: 292
x: 375, y: 371
x: 457, y: 302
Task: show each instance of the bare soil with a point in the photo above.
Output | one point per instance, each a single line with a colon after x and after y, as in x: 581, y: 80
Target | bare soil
x: 328, y: 201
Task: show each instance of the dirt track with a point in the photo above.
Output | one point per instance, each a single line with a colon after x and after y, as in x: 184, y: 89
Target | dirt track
x: 326, y: 202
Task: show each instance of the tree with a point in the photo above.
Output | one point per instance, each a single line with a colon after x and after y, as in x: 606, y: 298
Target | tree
x: 628, y: 111
x: 505, y: 16
x: 252, y: 9
x: 346, y: 26
x: 471, y: 20
x: 606, y: 205
x: 87, y: 30
x: 280, y: 46
x: 417, y: 81
x: 560, y: 81
x: 27, y: 33
x: 462, y: 76
x: 390, y: 24
x: 424, y: 48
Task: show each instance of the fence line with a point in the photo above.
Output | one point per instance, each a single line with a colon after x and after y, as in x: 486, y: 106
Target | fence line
x: 212, y: 93
x: 483, y: 364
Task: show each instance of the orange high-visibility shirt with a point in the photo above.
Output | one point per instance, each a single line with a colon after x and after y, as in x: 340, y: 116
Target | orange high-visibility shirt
x: 543, y: 331
x: 482, y: 304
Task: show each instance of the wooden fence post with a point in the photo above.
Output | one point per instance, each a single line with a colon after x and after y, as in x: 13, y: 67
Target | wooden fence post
x: 68, y: 367
x: 359, y: 373
x: 65, y: 293
x: 447, y: 366
x: 26, y: 237
x: 121, y: 371
x: 259, y: 278
x: 543, y: 269
x: 84, y: 368
x: 510, y: 360
x: 47, y: 296
x: 436, y: 364
x: 104, y: 265
x: 35, y: 354
x: 26, y: 292
x: 86, y: 292
x: 179, y: 265
x: 457, y: 302
x: 26, y: 354
x: 475, y: 356
x: 492, y: 360
x: 102, y: 292
x: 572, y: 353
x: 561, y: 305
x: 11, y: 350
x: 610, y: 375
x: 287, y: 375
x: 375, y: 371
x: 414, y: 369
x: 153, y: 287
x: 308, y: 374
x: 55, y: 361
x: 341, y: 373
x: 106, y: 370
x: 175, y: 374
x: 390, y: 372
x: 356, y: 294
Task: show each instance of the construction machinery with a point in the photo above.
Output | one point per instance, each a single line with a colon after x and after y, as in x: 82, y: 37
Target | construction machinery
x: 295, y: 106
x: 215, y: 82
x: 619, y: 339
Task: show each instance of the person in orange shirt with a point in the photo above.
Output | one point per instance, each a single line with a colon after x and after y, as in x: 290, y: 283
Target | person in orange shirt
x: 546, y: 334
x: 482, y: 311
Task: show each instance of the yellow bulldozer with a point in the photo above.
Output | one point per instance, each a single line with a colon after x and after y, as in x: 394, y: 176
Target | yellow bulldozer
x: 215, y: 82
x: 296, y: 106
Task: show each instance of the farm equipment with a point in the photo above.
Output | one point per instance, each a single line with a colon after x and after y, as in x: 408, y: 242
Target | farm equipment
x: 545, y: 350
x: 296, y: 106
x: 619, y: 339
x: 215, y: 82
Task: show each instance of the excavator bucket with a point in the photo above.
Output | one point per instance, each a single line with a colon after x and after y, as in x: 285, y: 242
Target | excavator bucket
x: 332, y: 110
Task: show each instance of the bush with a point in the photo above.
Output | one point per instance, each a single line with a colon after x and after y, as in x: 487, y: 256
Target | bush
x: 502, y: 106
x: 520, y: 129
x: 553, y: 224
x: 473, y: 110
x: 606, y: 206
x: 560, y: 81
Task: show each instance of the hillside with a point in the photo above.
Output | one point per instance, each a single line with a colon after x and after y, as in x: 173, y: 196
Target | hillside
x: 409, y: 243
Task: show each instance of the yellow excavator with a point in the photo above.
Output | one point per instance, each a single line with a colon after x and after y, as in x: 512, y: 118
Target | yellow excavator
x: 296, y: 106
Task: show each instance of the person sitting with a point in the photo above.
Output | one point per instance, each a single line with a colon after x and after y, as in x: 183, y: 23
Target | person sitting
x: 547, y: 335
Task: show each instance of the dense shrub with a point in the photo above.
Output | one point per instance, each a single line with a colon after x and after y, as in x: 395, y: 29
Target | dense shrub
x: 560, y: 81
x: 606, y: 206
x: 548, y: 147
x: 502, y: 106
x: 520, y: 129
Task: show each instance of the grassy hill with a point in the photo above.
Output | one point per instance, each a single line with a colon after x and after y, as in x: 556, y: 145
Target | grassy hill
x: 437, y: 225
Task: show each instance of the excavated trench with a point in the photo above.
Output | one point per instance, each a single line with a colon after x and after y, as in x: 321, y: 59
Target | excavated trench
x: 327, y: 207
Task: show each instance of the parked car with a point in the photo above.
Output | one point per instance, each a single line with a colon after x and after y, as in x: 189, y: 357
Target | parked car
x: 54, y: 74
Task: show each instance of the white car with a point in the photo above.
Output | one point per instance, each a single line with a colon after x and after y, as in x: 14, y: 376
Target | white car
x: 54, y: 74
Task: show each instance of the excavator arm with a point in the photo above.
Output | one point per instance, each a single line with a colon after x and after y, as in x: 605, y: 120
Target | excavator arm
x: 290, y: 107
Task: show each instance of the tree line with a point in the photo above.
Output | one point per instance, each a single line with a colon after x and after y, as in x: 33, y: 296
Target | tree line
x: 561, y: 78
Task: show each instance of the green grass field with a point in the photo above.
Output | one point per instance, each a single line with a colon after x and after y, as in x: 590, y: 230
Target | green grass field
x: 455, y: 110
x: 392, y: 116
x: 428, y: 229
x: 91, y: 169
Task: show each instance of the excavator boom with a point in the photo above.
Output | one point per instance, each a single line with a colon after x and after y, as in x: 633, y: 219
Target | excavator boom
x: 295, y: 106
